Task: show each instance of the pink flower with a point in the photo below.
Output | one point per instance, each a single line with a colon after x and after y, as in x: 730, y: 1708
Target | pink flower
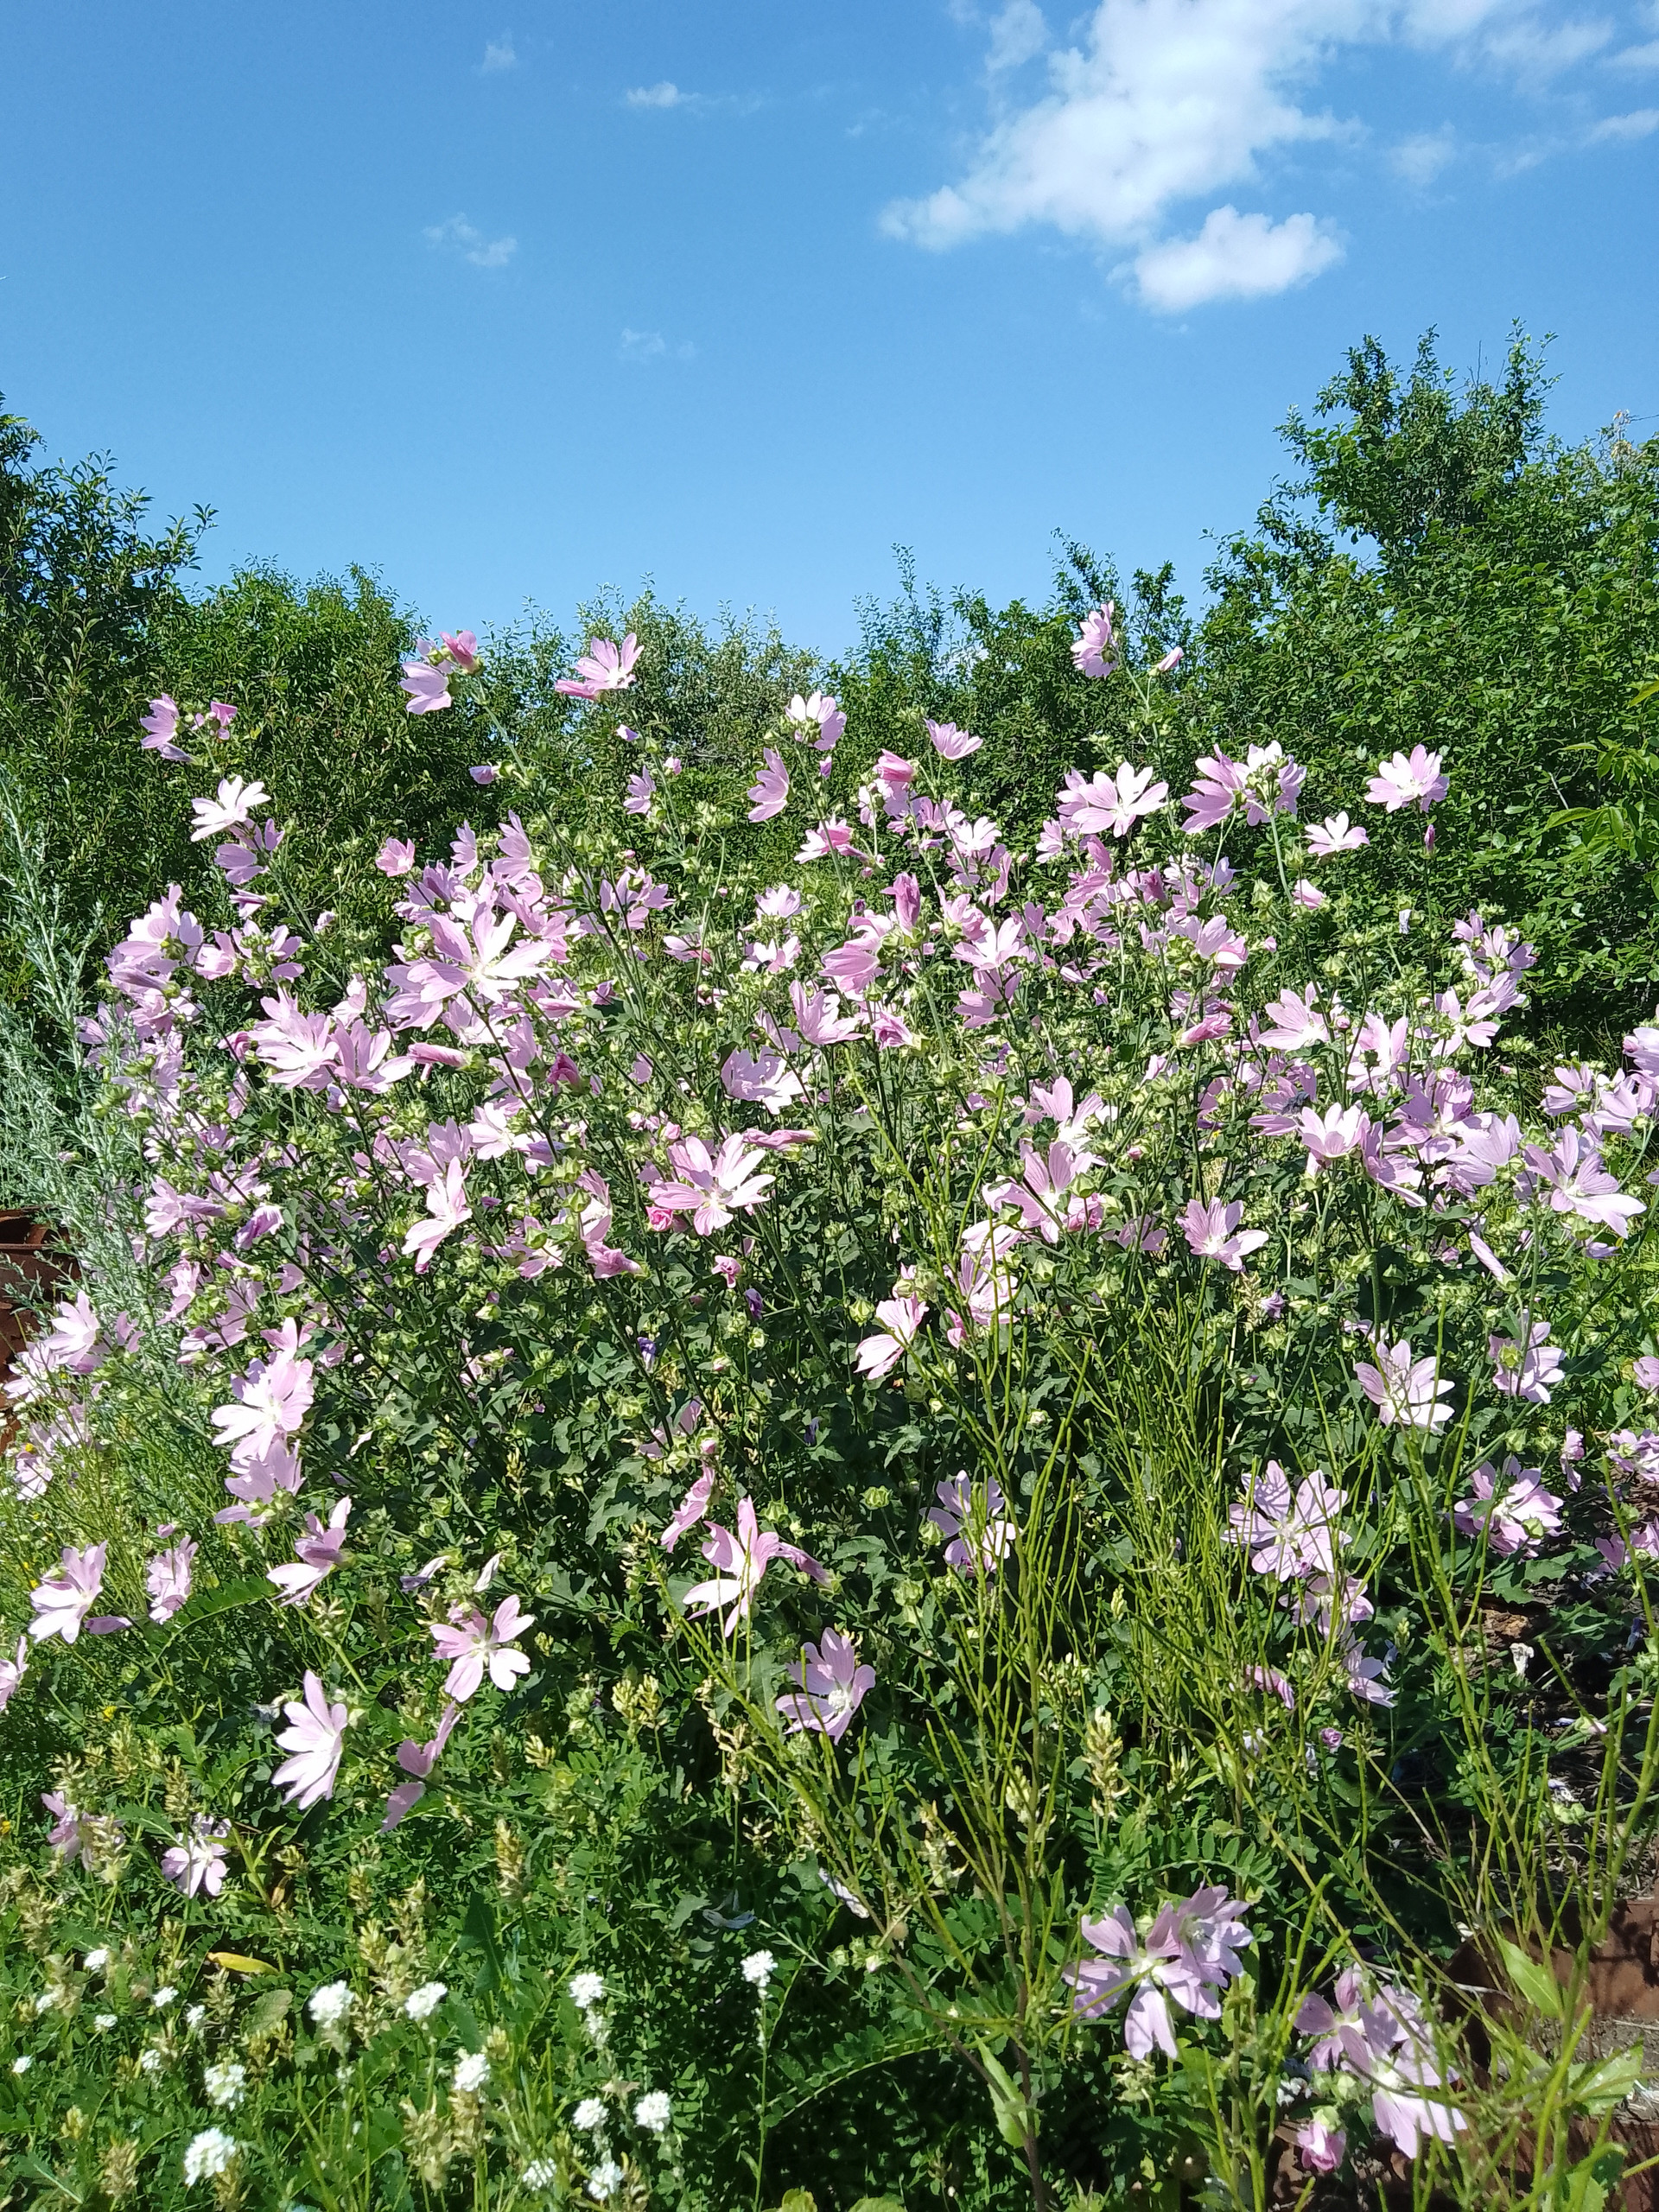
x: 1209, y: 1232
x: 428, y: 687
x: 317, y: 1554
x: 475, y: 1645
x: 161, y: 724
x: 604, y: 667
x: 1171, y: 661
x: 168, y: 1579
x: 315, y: 1735
x: 825, y: 838
x: 762, y: 1079
x: 1527, y: 1366
x: 1308, y: 894
x: 690, y: 1509
x: 12, y: 1672
x: 235, y: 802
x: 1190, y: 1952
x: 62, y: 1602
x: 1110, y: 804
x: 1335, y: 834
x: 1288, y: 1541
x: 1295, y: 1022
x: 1517, y: 1522
x: 880, y: 1354
x: 1366, y: 1677
x: 1332, y: 1135
x: 395, y: 857
x: 977, y: 1535
x: 641, y: 791
x: 831, y: 1688
x: 1094, y: 641
x: 1399, y: 781
x: 952, y: 743
x: 1645, y: 1373
x: 819, y: 712
x: 713, y: 1185
x: 1319, y: 2148
x: 462, y: 649
x: 196, y: 1861
x: 418, y: 1761
x: 770, y: 790
x: 1578, y: 1184
x: 485, y: 773
x: 1403, y: 1389
x: 447, y: 1208
x: 740, y: 1562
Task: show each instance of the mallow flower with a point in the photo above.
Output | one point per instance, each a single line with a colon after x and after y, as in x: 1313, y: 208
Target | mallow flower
x: 476, y: 1646
x: 830, y: 1685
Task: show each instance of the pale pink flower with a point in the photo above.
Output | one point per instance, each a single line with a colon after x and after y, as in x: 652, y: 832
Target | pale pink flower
x: 1094, y: 641
x: 1295, y: 1021
x: 1332, y: 1135
x: 1319, y: 2148
x: 690, y: 1509
x: 952, y: 743
x: 741, y: 1561
x: 1578, y: 1184
x: 1645, y: 1373
x: 1190, y: 1952
x: 825, y: 838
x: 1335, y: 834
x: 168, y: 1579
x: 485, y: 773
x: 977, y: 1533
x: 831, y: 1688
x: 1107, y: 803
x: 1406, y: 779
x: 1519, y: 1520
x: 641, y: 791
x: 762, y: 1079
x: 1171, y: 661
x: 604, y: 667
x: 1367, y: 1678
x: 395, y: 857
x: 476, y: 1646
x: 317, y: 1553
x: 418, y: 1761
x: 778, y: 903
x: 1291, y: 1541
x: 316, y: 1736
x: 447, y: 1209
x: 427, y: 687
x: 1403, y: 1389
x: 196, y: 1861
x: 12, y: 1672
x: 819, y: 711
x: 712, y: 1185
x: 235, y: 802
x: 1527, y: 1366
x: 880, y: 1354
x: 62, y: 1602
x: 1212, y: 1233
x: 770, y: 790
x: 462, y: 649
x: 161, y: 725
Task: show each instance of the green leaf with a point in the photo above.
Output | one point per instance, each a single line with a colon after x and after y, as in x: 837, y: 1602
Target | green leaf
x: 202, y: 1607
x: 1016, y: 2120
x: 1536, y: 1982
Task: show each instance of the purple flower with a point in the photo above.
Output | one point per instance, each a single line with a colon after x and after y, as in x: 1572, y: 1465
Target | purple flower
x: 1094, y: 641
x: 978, y: 1536
x: 418, y: 1761
x: 1264, y: 784
x: 485, y: 773
x: 1399, y: 781
x: 196, y: 1861
x: 740, y: 1562
x: 428, y: 687
x: 690, y: 1510
x: 770, y: 790
x: 62, y: 1602
x: 831, y: 1686
x: 317, y: 1555
x: 1209, y: 1230
x: 641, y: 791
x: 1527, y: 1366
x: 316, y: 1736
x: 1517, y: 1522
x: 12, y: 1672
x: 1320, y: 2146
x: 604, y: 667
x: 1335, y: 834
x: 820, y: 712
x: 1403, y: 1389
x: 474, y: 1644
x: 272, y: 1399
x: 1112, y: 804
x: 1645, y: 1373
x: 952, y: 743
x: 395, y: 857
x: 901, y: 1318
x: 161, y: 725
x: 1190, y: 1952
x: 168, y: 1579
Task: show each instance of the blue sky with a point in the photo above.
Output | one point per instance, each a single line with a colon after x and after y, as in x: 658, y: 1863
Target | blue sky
x: 513, y: 302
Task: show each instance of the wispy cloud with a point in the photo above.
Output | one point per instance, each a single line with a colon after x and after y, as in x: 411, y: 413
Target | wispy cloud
x: 1640, y: 124
x: 1234, y: 256
x: 663, y: 95
x: 1160, y: 103
x: 498, y: 54
x: 641, y: 347
x: 460, y: 237
x: 1638, y: 57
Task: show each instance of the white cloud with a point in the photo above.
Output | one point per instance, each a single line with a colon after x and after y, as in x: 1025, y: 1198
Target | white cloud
x: 1640, y: 124
x: 643, y: 346
x: 1639, y: 57
x: 1234, y: 256
x: 1420, y: 159
x: 498, y: 54
x: 1535, y: 52
x: 663, y: 95
x: 459, y: 236
x: 1018, y: 35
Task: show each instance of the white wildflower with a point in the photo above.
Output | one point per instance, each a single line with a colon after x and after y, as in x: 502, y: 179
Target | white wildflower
x: 164, y: 1996
x: 331, y: 2004
x: 758, y: 1968
x: 104, y: 2022
x: 21, y: 2065
x: 471, y: 2071
x: 541, y: 2173
x: 97, y: 1961
x: 652, y: 2111
x: 589, y: 2113
x: 45, y: 2000
x: 150, y: 2060
x: 604, y: 2181
x: 587, y: 1990
x: 195, y: 2015
x: 208, y: 2154
x: 421, y: 2004
x: 226, y: 2084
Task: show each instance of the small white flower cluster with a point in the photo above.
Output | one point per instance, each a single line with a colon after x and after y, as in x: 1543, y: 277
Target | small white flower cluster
x: 604, y: 2181
x: 471, y: 2072
x: 589, y: 2115
x: 541, y: 2173
x: 331, y: 2004
x: 654, y: 2111
x: 421, y: 2004
x: 758, y: 1968
x: 225, y: 2083
x: 164, y: 1998
x: 588, y: 1994
x: 208, y: 2155
x: 96, y: 1960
